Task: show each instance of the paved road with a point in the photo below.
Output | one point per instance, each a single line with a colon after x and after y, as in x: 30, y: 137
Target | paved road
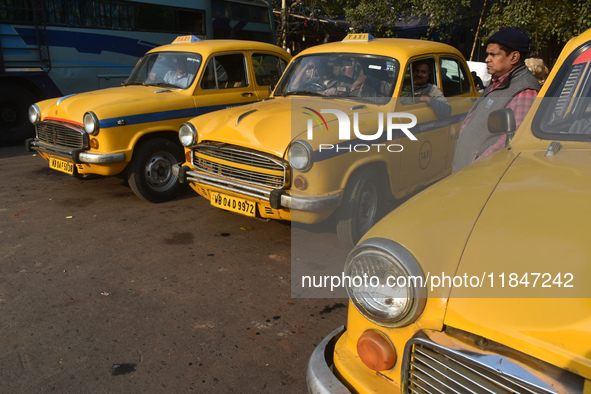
x: 183, y: 297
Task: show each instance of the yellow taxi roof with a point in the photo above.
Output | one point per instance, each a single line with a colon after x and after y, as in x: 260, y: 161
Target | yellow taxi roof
x: 394, y: 47
x: 218, y: 45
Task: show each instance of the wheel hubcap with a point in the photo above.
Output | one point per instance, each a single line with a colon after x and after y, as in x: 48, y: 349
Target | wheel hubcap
x: 159, y: 171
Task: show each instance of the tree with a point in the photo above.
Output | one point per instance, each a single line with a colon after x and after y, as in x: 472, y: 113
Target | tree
x: 543, y: 20
x: 378, y: 17
x: 308, y: 9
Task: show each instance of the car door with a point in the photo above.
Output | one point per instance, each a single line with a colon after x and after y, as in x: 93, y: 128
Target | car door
x: 426, y: 158
x: 267, y: 69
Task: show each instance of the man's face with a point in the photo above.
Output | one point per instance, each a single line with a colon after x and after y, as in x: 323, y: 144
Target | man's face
x: 498, y: 63
x: 420, y: 74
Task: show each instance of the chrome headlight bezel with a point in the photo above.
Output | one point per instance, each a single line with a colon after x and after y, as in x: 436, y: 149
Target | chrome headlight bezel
x: 34, y: 114
x: 188, y: 135
x: 381, y: 259
x: 91, y: 123
x: 300, y: 155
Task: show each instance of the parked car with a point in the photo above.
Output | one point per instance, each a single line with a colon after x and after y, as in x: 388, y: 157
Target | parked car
x: 481, y: 280
x: 132, y: 130
x: 294, y: 157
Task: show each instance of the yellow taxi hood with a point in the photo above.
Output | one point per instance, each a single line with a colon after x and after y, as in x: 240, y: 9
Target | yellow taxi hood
x: 450, y: 209
x: 536, y: 222
x: 267, y: 126
x: 113, y: 102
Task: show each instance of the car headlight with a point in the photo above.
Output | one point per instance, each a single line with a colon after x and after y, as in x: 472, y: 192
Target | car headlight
x: 386, y: 284
x: 91, y: 123
x: 34, y: 114
x: 188, y: 134
x: 300, y: 155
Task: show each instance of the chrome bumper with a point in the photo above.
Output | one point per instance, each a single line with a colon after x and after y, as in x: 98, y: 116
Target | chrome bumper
x: 77, y: 155
x: 320, y: 378
x: 277, y: 198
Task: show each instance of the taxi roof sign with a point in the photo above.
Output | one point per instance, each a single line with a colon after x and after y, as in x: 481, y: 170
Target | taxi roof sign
x: 185, y: 39
x: 360, y: 37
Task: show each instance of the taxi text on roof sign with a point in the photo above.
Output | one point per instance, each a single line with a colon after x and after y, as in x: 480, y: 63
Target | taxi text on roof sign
x: 365, y: 37
x: 184, y: 39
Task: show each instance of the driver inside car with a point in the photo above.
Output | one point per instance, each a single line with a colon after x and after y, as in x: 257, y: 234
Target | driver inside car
x: 341, y: 80
x: 319, y: 77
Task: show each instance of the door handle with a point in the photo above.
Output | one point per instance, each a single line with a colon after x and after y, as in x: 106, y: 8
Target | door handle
x: 247, y: 94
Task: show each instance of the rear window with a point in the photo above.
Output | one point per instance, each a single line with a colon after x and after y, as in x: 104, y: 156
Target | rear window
x: 565, y: 112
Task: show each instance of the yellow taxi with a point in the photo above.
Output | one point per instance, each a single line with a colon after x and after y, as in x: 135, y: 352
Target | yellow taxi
x: 480, y: 283
x: 350, y: 126
x: 132, y: 130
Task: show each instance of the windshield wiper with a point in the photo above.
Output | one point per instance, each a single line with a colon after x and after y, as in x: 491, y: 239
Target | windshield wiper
x: 168, y: 85
x: 132, y: 83
x: 302, y: 93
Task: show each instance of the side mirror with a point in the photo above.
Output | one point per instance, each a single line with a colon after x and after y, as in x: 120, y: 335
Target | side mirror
x: 502, y: 121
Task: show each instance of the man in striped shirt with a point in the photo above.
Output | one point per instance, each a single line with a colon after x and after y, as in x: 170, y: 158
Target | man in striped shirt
x: 513, y: 86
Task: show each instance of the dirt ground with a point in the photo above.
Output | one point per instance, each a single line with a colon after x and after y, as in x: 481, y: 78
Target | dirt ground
x: 102, y: 292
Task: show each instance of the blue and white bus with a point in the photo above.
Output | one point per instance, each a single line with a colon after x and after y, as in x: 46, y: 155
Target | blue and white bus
x: 51, y: 48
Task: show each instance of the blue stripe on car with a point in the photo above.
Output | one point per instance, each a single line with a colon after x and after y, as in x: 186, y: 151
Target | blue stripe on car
x: 162, y: 115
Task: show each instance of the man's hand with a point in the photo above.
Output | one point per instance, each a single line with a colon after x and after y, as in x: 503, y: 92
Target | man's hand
x: 423, y: 97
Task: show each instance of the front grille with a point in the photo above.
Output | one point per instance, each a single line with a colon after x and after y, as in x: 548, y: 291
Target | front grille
x: 60, y: 135
x: 433, y: 369
x: 240, y: 164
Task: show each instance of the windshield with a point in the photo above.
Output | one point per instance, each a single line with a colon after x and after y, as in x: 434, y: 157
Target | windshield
x: 169, y: 69
x: 363, y: 77
x: 567, y: 112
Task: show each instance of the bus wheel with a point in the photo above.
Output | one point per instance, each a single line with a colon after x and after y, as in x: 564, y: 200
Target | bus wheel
x: 361, y: 206
x: 150, y: 171
x: 14, y: 113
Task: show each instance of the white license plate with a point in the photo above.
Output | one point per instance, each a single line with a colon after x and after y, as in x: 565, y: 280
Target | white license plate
x: 233, y: 204
x: 61, y: 165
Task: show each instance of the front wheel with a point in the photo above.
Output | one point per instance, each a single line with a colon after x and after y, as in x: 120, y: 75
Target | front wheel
x: 361, y: 206
x: 14, y: 108
x: 150, y: 171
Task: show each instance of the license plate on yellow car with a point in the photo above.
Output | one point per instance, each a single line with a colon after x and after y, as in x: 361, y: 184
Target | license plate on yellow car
x: 233, y: 204
x: 61, y: 165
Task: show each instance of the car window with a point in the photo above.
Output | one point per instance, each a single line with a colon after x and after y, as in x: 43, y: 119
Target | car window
x: 341, y: 75
x: 225, y: 72
x: 566, y: 110
x: 267, y: 68
x: 454, y: 77
x: 419, y: 73
x: 174, y: 69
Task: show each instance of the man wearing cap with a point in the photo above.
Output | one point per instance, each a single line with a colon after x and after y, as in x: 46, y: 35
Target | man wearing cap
x: 512, y: 86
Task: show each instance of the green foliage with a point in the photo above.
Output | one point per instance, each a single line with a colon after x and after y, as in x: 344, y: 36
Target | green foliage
x: 541, y: 19
x: 378, y: 17
x: 316, y: 8
x: 443, y: 12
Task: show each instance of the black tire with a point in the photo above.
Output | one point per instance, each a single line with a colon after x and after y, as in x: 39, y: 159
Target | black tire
x: 150, y: 172
x: 362, y: 205
x: 15, y: 126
